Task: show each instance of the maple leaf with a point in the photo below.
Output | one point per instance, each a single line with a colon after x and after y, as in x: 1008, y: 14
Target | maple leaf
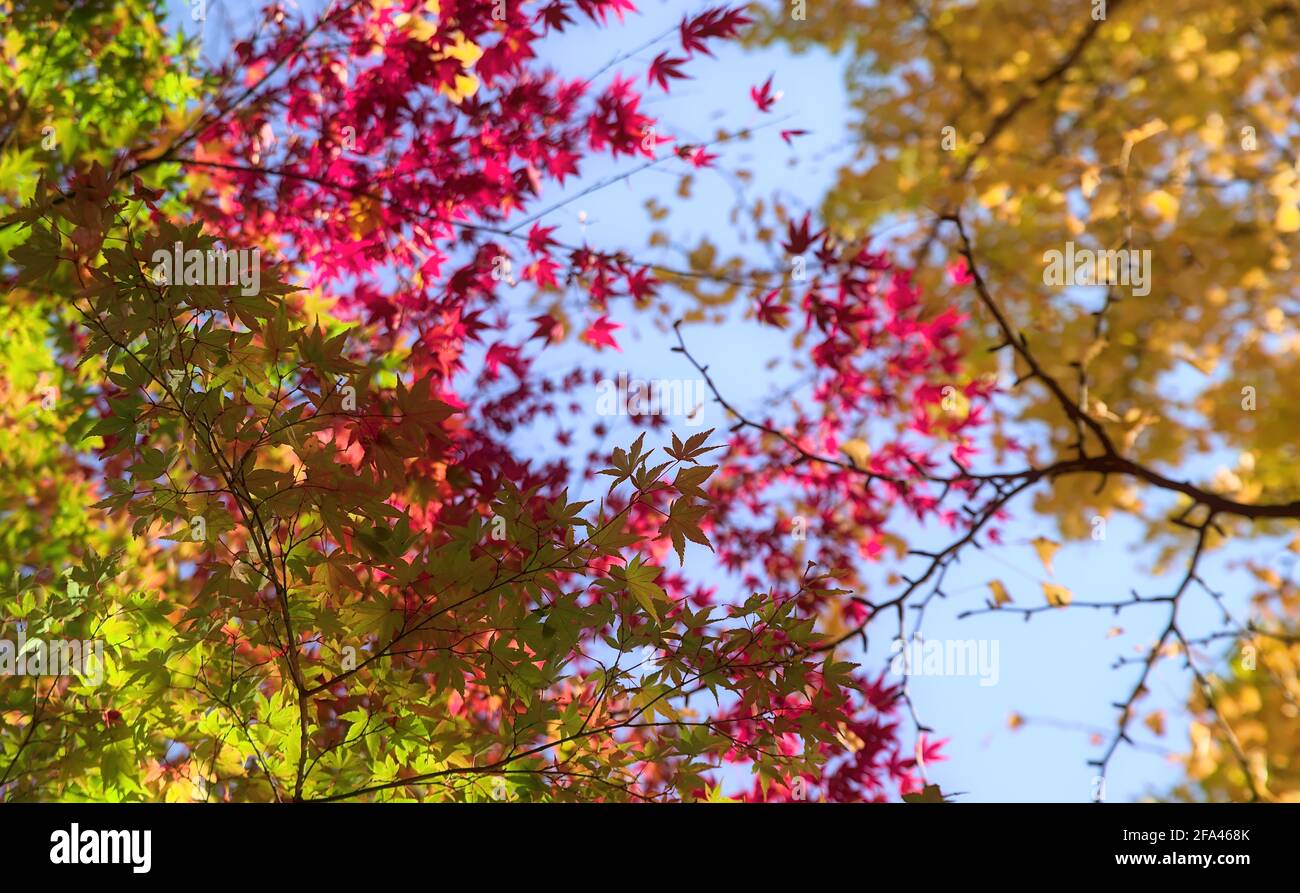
x: 598, y: 10
x: 800, y: 237
x: 771, y: 311
x: 562, y: 164
x: 694, y: 446
x: 539, y: 238
x: 140, y: 193
x: 600, y: 333
x: 1057, y: 596
x: 663, y: 68
x: 690, y: 480
x: 692, y: 33
x: 764, y: 98
x: 698, y: 156
x: 497, y: 354
x: 1045, y: 548
x: 788, y: 135
x: 682, y: 524
x: 639, y: 580
x: 548, y: 328
x: 1000, y: 594
x: 717, y: 22
x: 641, y: 285
x: 555, y: 16
x: 542, y: 271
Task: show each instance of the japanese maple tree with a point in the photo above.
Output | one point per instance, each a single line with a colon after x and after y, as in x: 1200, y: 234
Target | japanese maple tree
x: 311, y: 532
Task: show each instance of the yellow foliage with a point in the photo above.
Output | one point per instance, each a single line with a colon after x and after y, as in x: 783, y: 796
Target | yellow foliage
x: 1057, y: 596
x: 1163, y: 128
x: 1245, y: 735
x: 1000, y: 595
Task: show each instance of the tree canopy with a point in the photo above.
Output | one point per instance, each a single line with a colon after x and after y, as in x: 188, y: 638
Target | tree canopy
x: 283, y: 332
x: 1003, y: 132
x: 318, y: 571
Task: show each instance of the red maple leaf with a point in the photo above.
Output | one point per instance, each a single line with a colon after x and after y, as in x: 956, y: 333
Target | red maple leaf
x: 561, y: 164
x: 554, y: 15
x: 718, y: 22
x: 698, y: 156
x: 598, y: 10
x: 771, y: 311
x: 641, y: 285
x: 663, y: 68
x: 800, y: 237
x: 600, y: 333
x: 764, y: 98
x: 542, y: 271
x: 539, y: 238
x: 497, y: 354
x: 549, y: 329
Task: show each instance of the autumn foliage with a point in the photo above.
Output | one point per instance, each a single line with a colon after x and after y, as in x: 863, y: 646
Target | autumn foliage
x: 323, y: 563
x: 327, y: 483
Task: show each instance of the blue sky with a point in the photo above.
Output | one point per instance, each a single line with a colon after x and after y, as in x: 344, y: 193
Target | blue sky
x: 1057, y: 669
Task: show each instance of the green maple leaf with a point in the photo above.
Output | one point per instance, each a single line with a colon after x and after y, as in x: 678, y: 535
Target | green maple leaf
x: 639, y: 579
x: 682, y: 524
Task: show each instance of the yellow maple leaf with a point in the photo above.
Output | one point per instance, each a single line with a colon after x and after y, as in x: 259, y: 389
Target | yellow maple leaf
x: 465, y: 85
x: 364, y: 216
x: 1046, y: 549
x: 1057, y: 596
x: 858, y: 451
x: 417, y: 26
x: 1156, y: 722
x: 1000, y: 595
x: 1163, y: 205
x: 464, y: 51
